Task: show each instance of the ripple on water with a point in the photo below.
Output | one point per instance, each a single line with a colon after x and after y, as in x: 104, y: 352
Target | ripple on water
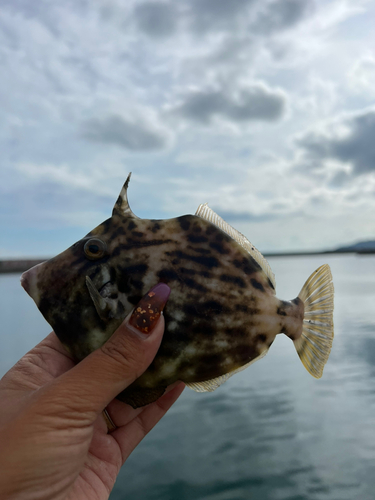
x: 271, y: 432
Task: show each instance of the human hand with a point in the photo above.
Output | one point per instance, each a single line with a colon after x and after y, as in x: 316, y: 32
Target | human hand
x: 54, y: 442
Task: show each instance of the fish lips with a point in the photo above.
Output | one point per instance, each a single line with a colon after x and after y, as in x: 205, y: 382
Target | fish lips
x: 29, y: 281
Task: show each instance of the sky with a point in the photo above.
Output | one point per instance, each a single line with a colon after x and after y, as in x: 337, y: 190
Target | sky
x: 264, y: 109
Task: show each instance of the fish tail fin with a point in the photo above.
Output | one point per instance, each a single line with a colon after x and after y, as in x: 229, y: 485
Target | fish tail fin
x: 315, y: 343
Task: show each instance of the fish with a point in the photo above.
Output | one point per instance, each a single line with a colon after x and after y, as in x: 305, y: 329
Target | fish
x: 222, y: 314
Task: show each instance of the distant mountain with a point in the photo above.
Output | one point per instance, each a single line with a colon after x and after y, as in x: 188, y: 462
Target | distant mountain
x: 360, y: 247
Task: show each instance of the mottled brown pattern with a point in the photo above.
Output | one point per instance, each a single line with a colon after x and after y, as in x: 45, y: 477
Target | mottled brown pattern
x: 221, y: 314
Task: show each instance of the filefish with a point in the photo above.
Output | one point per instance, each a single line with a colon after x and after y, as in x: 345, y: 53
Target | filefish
x: 222, y: 313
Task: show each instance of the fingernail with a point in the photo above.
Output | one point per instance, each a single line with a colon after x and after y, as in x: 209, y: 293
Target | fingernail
x: 149, y: 308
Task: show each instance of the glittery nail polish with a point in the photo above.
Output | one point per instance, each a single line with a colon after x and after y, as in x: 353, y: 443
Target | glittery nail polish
x: 149, y: 308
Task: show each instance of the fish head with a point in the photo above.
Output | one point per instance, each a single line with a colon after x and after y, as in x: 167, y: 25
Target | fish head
x: 79, y: 291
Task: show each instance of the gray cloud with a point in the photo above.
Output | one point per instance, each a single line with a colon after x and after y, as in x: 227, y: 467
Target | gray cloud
x: 280, y: 15
x: 252, y: 103
x: 125, y: 133
x: 223, y: 15
x: 339, y: 179
x: 356, y: 146
x: 42, y: 11
x: 214, y: 15
x: 156, y: 19
x: 159, y: 19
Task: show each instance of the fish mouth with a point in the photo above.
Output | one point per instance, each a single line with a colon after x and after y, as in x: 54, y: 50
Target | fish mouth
x: 29, y: 281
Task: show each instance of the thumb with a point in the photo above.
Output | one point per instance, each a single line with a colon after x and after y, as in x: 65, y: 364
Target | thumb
x: 100, y: 377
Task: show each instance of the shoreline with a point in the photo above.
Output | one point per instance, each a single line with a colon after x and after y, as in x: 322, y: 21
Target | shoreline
x: 8, y: 266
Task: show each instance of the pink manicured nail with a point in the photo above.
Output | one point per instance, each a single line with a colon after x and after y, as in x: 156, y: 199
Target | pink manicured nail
x: 149, y: 308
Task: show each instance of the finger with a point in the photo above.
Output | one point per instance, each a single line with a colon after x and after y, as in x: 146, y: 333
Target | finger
x: 42, y: 364
x: 129, y: 436
x: 121, y: 414
x: 53, y: 356
x: 96, y: 380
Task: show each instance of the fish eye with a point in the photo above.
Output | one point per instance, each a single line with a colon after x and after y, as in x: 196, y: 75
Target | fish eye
x: 94, y: 248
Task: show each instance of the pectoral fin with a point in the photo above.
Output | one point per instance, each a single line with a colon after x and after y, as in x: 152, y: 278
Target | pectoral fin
x: 105, y: 307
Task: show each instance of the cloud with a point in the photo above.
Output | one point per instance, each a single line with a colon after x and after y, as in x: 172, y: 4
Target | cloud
x: 156, y: 19
x: 231, y: 216
x: 249, y: 16
x: 125, y: 132
x: 362, y: 75
x: 256, y: 102
x: 349, y: 141
x: 281, y: 15
x: 62, y: 175
x: 160, y: 19
x: 129, y: 76
x: 217, y: 15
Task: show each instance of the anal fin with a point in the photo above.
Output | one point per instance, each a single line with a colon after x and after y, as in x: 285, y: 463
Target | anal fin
x: 211, y: 385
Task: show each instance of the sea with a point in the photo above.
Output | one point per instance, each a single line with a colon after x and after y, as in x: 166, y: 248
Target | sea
x: 271, y: 431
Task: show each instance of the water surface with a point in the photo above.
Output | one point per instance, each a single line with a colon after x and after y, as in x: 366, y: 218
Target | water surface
x: 270, y: 432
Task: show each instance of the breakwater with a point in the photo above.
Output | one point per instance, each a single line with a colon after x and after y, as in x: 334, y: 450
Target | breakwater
x: 18, y: 265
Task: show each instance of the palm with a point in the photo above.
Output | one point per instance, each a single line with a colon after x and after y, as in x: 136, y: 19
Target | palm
x: 89, y: 458
x: 101, y: 467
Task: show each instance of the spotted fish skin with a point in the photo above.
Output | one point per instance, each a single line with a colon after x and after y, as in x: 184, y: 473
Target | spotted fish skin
x: 222, y: 312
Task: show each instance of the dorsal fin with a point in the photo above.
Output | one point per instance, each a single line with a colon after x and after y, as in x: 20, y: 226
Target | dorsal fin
x: 211, y: 385
x: 122, y: 205
x: 208, y: 214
